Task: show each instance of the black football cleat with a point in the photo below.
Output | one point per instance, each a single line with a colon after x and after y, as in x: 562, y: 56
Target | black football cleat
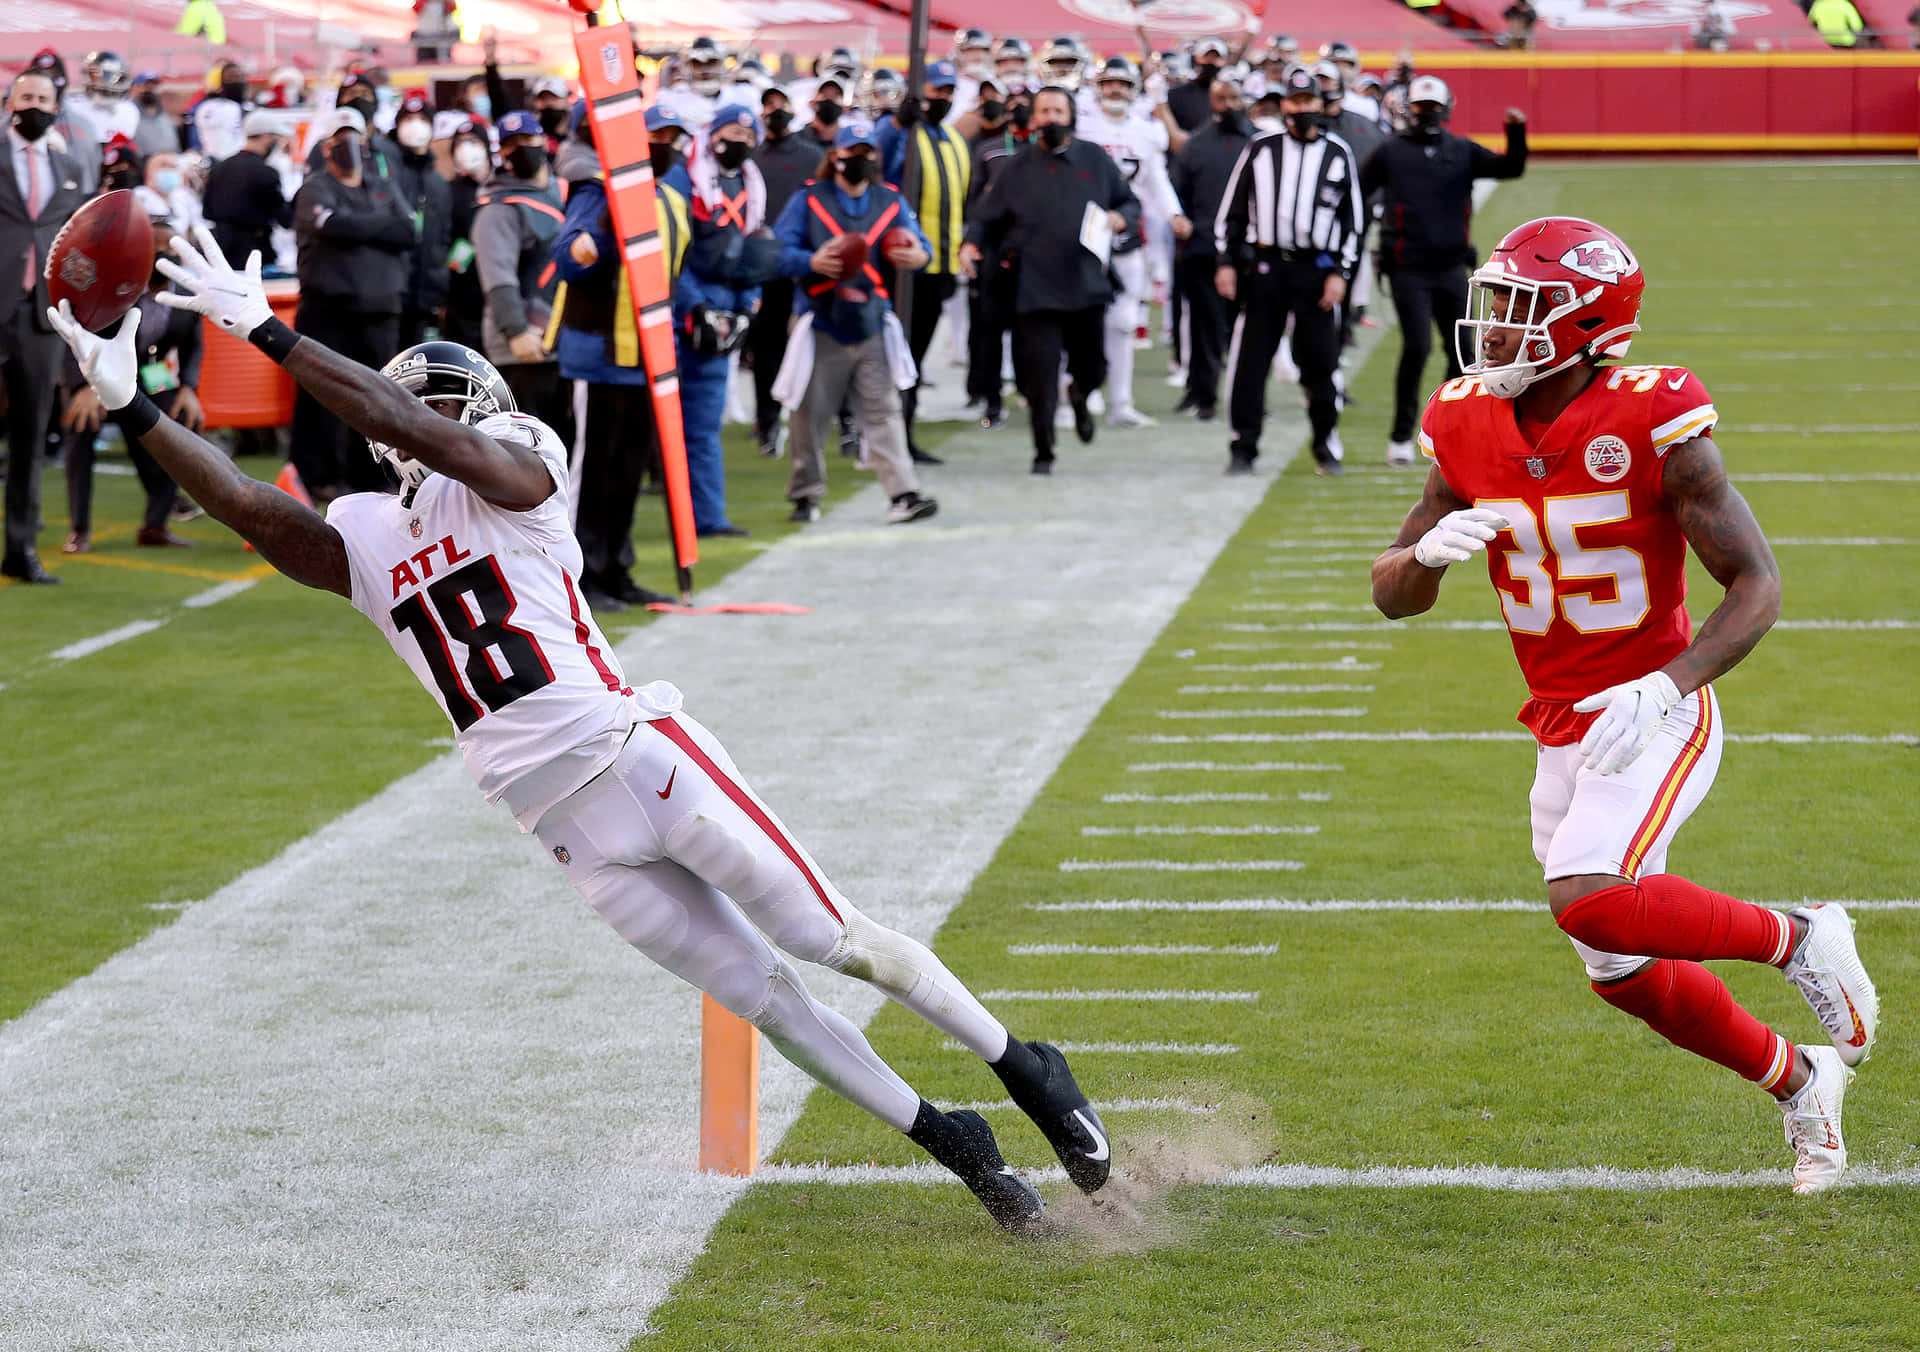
x: 974, y: 1156
x: 1082, y: 414
x: 1043, y: 1088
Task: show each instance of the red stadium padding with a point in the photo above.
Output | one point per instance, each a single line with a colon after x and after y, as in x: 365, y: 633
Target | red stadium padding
x: 1649, y: 25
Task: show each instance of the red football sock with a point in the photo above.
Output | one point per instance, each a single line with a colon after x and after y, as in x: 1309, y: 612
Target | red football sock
x: 1664, y: 916
x: 1692, y: 1008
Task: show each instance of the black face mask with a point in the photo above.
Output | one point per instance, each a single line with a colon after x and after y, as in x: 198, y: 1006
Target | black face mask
x: 32, y: 123
x: 992, y: 110
x: 779, y: 121
x: 937, y: 110
x: 237, y: 91
x: 1302, y: 126
x: 553, y: 121
x: 527, y: 161
x: 150, y: 102
x: 364, y: 107
x: 1054, y: 135
x: 1021, y: 113
x: 857, y: 170
x: 1203, y: 75
x: 122, y: 178
x: 344, y: 155
x: 826, y: 112
x: 1231, y: 121
x: 1426, y: 124
x: 730, y: 155
x: 660, y: 156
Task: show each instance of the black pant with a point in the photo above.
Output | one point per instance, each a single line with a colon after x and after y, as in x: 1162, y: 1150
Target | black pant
x: 1271, y: 291
x: 76, y: 448
x: 539, y: 392
x: 930, y: 292
x: 1424, y: 299
x: 331, y: 457
x: 617, y: 443
x: 989, y: 316
x: 30, y: 366
x: 767, y: 343
x: 1207, y: 324
x: 1039, y: 337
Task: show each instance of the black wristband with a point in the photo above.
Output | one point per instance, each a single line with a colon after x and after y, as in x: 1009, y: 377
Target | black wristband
x: 138, y: 418
x: 274, y: 338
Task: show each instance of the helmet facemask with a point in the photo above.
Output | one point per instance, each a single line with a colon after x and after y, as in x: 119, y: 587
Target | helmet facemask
x: 431, y: 382
x: 1499, y: 300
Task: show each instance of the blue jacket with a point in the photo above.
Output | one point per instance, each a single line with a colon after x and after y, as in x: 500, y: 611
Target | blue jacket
x: 711, y: 275
x: 796, y: 230
x: 590, y: 317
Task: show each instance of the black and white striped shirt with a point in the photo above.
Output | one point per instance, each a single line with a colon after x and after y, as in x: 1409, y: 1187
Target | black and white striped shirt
x: 1289, y: 194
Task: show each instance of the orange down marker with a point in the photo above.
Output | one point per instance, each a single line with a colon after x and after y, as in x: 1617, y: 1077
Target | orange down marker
x: 729, y: 1091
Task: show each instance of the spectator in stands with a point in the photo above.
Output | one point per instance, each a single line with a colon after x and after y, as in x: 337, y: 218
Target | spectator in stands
x: 1362, y: 133
x: 1427, y: 176
x: 1200, y: 172
x: 472, y: 158
x: 788, y: 159
x: 1033, y: 217
x: 851, y: 344
x: 219, y: 117
x: 829, y: 103
x: 1913, y: 23
x: 942, y: 162
x: 107, y: 105
x: 40, y: 188
x: 168, y: 342
x: 157, y: 129
x: 547, y: 95
x: 165, y: 196
x: 1839, y: 23
x: 513, y: 231
x: 122, y: 167
x: 357, y: 92
x: 244, y: 201
x: 355, y: 238
x: 1004, y: 115
x: 1714, y: 31
x: 430, y: 199
x: 1520, y: 17
x: 598, y: 344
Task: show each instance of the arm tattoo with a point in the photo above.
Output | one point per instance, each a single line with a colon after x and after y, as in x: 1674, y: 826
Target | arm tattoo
x: 1720, y: 528
x: 1402, y: 585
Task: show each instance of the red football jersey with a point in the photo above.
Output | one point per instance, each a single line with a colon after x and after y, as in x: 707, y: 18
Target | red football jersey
x: 1592, y: 574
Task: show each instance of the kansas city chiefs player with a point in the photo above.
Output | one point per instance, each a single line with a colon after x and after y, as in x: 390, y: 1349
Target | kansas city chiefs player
x: 471, y: 572
x: 1585, y: 485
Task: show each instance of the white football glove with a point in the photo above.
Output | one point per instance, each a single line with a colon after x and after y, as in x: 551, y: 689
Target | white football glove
x: 1630, y: 714
x: 110, y: 365
x: 1458, y: 536
x: 209, y: 286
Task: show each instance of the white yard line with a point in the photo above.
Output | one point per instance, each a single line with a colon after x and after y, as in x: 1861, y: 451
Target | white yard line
x: 1142, y: 950
x: 1180, y: 865
x: 1443, y: 904
x: 1174, y: 830
x: 213, y: 596
x: 1329, y: 689
x: 1312, y: 607
x: 1118, y: 1105
x: 1841, y: 541
x: 1233, y: 767
x: 1291, y: 711
x: 1827, y: 429
x: 1829, y: 478
x: 1467, y: 626
x: 1073, y: 995
x: 86, y: 647
x: 1136, y: 1048
x: 1345, y: 664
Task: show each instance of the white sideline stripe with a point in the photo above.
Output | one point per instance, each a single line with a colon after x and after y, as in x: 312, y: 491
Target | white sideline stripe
x: 1450, y: 904
x: 1356, y: 542
x: 1484, y: 1177
x: 213, y: 596
x: 1162, y: 996
x: 1292, y: 711
x: 1141, y: 950
x: 1516, y: 735
x: 1829, y: 478
x: 1135, y: 1048
x: 1346, y: 645
x: 1259, y: 767
x: 1328, y: 689
x: 1216, y: 797
x: 86, y: 647
x: 1344, y: 664
x: 1262, y: 830
x: 1847, y: 624
x: 1181, y: 866
x: 1119, y: 1105
x: 1384, y: 539
x: 1840, y: 541
x: 1374, y: 626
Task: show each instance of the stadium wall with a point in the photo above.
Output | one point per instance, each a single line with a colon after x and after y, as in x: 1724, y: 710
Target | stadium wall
x: 1686, y: 102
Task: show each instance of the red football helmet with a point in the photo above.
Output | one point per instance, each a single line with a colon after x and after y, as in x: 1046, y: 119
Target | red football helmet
x: 1581, y: 286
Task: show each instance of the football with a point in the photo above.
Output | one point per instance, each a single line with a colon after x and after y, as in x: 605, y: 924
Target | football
x: 899, y: 240
x: 852, y: 252
x: 101, y: 260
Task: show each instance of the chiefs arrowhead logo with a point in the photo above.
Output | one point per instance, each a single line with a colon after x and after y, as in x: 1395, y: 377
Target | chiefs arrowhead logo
x: 1602, y: 260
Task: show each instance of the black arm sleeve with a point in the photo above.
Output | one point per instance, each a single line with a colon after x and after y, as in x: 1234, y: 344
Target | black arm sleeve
x: 1512, y: 164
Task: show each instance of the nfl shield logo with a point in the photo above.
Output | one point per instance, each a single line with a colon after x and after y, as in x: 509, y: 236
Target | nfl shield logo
x: 560, y: 853
x: 1536, y: 467
x: 413, y: 528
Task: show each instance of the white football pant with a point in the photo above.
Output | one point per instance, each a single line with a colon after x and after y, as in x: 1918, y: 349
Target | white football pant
x: 1123, y: 317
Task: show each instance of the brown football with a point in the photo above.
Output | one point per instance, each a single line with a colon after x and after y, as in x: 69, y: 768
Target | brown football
x: 852, y: 251
x: 101, y: 260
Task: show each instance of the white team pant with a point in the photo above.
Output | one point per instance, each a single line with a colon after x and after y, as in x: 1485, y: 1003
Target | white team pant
x: 1622, y: 824
x: 691, y: 868
x: 1123, y: 317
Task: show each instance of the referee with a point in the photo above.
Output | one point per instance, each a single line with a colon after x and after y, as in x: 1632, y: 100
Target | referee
x: 1288, y: 238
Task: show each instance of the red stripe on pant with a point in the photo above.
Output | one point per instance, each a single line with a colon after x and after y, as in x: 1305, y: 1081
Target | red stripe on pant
x: 743, y: 800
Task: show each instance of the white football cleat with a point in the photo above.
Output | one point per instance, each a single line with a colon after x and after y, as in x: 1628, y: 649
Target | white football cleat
x: 1129, y: 417
x: 1826, y: 967
x: 1399, y: 452
x: 1812, y: 1119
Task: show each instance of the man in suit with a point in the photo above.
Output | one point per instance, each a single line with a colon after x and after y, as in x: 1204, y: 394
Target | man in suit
x: 39, y: 189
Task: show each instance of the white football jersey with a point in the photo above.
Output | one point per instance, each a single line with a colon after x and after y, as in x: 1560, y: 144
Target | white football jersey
x: 696, y: 110
x: 484, y: 604
x: 1139, y: 146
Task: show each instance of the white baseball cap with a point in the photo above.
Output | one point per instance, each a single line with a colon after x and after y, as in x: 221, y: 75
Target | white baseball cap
x: 1429, y: 89
x: 349, y: 118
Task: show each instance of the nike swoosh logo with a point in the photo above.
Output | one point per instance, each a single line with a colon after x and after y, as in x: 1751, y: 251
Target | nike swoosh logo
x: 666, y: 792
x: 1100, y: 1150
x: 1677, y: 381
x: 1859, y: 1038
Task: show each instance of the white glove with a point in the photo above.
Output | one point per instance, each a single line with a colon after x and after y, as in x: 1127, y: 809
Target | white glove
x: 209, y: 285
x: 1629, y: 716
x: 1458, y: 536
x: 110, y: 365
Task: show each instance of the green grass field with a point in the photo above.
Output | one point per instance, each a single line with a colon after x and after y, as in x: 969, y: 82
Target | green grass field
x: 1412, y: 1039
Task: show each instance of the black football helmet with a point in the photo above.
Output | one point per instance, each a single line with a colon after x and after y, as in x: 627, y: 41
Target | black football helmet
x: 439, y: 369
